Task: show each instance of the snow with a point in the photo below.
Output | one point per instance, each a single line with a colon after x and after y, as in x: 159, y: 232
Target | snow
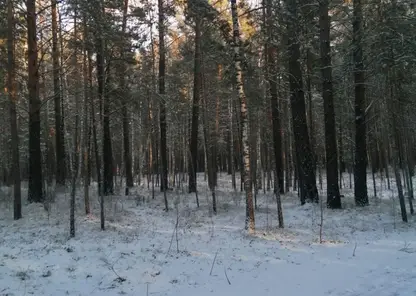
x: 366, y: 251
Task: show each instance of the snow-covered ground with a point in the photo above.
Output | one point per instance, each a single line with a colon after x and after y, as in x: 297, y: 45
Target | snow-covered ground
x: 366, y: 251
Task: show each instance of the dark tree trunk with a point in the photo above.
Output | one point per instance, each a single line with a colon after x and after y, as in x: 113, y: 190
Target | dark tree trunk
x: 210, y: 154
x: 271, y: 74
x: 360, y: 165
x: 75, y: 162
x: 11, y: 89
x: 162, y: 92
x: 59, y: 128
x: 304, y: 153
x: 108, y: 182
x: 396, y: 156
x: 103, y: 78
x: 193, y: 142
x: 48, y: 159
x: 288, y: 145
x: 162, y: 118
x: 229, y: 152
x: 341, y: 155
x: 310, y: 107
x: 87, y: 136
x: 333, y: 195
x: 101, y: 83
x: 94, y: 127
x: 216, y: 158
x: 232, y: 143
x: 35, y: 191
x: 125, y: 98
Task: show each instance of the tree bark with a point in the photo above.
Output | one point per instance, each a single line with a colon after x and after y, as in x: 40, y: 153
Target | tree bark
x: 162, y: 118
x: 11, y: 90
x: 250, y: 222
x: 103, y: 78
x: 360, y: 164
x: 193, y: 146
x: 59, y: 129
x: 232, y: 142
x: 271, y: 75
x: 333, y: 195
x: 304, y: 153
x: 35, y: 192
x: 309, y: 70
x: 125, y: 113
x: 87, y: 128
x: 75, y: 162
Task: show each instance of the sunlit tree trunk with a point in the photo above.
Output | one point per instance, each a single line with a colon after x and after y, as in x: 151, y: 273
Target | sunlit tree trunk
x: 250, y: 222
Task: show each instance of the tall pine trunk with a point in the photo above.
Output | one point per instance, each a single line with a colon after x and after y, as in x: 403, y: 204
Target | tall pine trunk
x: 75, y: 162
x: 59, y: 128
x: 310, y: 107
x: 232, y: 142
x: 333, y: 195
x: 193, y: 143
x: 107, y: 145
x: 11, y: 89
x: 103, y: 77
x: 102, y: 185
x: 35, y: 193
x: 360, y: 164
x: 87, y: 128
x: 162, y: 118
x: 304, y: 152
x: 123, y: 92
x: 271, y: 75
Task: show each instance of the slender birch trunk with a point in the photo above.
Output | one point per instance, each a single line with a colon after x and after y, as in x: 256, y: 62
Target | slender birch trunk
x: 250, y: 222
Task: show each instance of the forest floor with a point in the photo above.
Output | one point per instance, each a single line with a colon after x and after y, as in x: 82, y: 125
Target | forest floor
x: 365, y: 251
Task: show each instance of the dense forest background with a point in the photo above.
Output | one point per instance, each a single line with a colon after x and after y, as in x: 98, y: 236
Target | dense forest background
x: 280, y: 95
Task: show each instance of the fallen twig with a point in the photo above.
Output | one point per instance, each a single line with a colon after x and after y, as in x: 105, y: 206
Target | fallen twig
x: 213, y: 262
x: 355, y: 247
x: 175, y: 230
x: 225, y: 272
x: 111, y: 266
